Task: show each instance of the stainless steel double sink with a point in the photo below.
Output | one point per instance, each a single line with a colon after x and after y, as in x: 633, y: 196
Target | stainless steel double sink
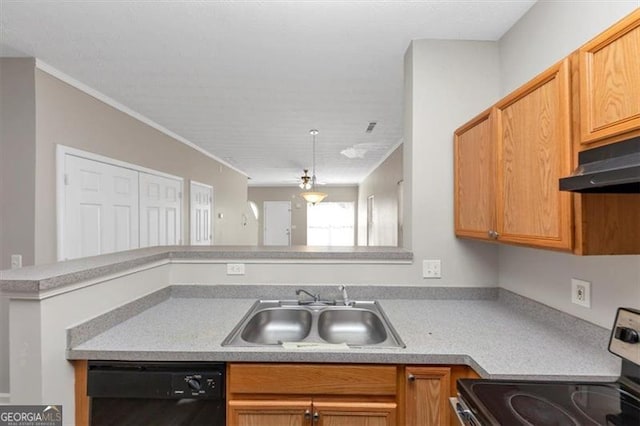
x: 277, y: 322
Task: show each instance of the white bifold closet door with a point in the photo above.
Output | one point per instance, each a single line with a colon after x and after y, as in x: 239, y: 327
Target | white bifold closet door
x: 160, y: 210
x: 100, y: 208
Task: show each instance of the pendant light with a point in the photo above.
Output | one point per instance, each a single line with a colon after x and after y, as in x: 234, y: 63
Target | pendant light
x: 313, y: 196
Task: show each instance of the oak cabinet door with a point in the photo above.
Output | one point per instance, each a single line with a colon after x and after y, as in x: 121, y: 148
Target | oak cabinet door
x: 534, y: 151
x: 269, y: 413
x: 474, y: 178
x: 354, y: 413
x: 427, y: 396
x: 610, y: 81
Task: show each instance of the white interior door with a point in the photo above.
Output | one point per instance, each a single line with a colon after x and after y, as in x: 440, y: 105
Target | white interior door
x: 201, y: 197
x: 160, y: 210
x: 277, y: 223
x: 100, y: 208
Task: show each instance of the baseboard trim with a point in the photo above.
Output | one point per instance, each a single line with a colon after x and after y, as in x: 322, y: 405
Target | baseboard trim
x: 5, y: 398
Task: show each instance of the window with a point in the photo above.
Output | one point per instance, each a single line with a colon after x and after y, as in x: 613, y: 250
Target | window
x: 331, y: 224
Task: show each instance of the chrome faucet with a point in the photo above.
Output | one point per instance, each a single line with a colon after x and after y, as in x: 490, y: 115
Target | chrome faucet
x: 316, y: 297
x: 345, y: 296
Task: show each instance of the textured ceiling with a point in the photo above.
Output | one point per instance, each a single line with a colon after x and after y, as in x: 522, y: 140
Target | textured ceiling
x: 246, y: 80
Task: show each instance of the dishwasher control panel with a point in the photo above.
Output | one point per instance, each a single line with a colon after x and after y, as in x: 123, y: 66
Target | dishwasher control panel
x: 155, y: 380
x: 197, y: 385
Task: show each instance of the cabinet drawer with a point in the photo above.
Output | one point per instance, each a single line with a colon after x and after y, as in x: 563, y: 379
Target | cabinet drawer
x: 312, y: 379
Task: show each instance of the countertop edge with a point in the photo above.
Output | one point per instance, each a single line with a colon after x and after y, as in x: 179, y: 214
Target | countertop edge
x: 37, y: 279
x: 324, y: 357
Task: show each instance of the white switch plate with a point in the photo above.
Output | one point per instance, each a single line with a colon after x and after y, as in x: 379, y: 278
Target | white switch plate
x: 16, y: 261
x: 235, y: 268
x: 581, y: 292
x: 431, y: 268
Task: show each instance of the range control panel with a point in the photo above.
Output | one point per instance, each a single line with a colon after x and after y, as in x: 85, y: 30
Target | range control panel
x: 625, y: 336
x: 197, y: 385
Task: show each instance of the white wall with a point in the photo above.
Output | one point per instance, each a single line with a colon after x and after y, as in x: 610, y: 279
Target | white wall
x: 382, y: 183
x: 450, y: 82
x: 17, y: 181
x: 549, y: 31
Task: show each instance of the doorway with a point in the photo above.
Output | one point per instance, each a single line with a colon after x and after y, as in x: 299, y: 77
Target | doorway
x: 277, y: 223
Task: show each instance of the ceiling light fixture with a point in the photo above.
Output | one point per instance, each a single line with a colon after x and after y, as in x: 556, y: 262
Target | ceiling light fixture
x: 312, y: 196
x: 306, y: 180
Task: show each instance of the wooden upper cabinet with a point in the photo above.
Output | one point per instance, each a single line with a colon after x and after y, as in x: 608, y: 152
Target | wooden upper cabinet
x: 610, y: 81
x: 534, y: 151
x: 474, y: 179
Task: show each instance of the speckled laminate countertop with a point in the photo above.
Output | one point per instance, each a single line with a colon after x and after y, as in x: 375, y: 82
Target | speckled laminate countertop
x: 501, y: 338
x: 36, y: 279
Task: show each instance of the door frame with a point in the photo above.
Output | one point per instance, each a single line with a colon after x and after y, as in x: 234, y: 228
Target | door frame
x: 61, y: 152
x: 211, y: 220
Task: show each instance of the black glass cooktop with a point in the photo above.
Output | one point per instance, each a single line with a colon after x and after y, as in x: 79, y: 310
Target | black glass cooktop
x: 550, y: 403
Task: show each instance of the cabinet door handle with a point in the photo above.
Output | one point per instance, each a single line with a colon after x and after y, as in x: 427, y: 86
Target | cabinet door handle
x: 316, y: 417
x: 307, y: 414
x: 411, y: 378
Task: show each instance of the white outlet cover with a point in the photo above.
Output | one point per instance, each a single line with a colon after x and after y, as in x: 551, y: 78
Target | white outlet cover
x: 581, y: 292
x: 16, y: 261
x: 431, y: 268
x: 235, y: 268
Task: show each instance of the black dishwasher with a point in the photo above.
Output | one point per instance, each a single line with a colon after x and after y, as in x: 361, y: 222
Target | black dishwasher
x: 156, y: 393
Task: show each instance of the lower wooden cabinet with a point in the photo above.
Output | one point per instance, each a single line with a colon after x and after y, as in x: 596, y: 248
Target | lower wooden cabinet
x: 311, y: 395
x: 311, y: 413
x: 340, y: 394
x: 354, y: 413
x: 427, y: 395
x: 269, y: 413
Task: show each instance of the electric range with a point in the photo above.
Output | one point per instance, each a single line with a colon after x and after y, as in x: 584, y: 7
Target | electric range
x: 547, y: 403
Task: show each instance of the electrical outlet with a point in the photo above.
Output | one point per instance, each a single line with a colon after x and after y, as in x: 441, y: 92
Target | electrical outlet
x: 431, y: 269
x: 581, y: 292
x: 16, y: 261
x: 235, y: 268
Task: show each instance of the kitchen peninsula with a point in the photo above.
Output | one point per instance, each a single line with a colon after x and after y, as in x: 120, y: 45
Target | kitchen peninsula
x: 173, y: 304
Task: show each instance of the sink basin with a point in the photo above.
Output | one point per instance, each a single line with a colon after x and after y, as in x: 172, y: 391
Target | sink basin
x: 274, y: 322
x: 351, y: 326
x: 274, y: 326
